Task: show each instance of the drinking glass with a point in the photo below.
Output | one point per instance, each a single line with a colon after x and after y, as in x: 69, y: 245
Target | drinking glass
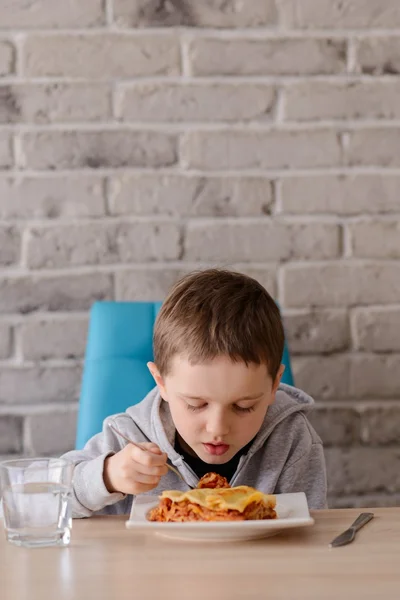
x: 36, y: 501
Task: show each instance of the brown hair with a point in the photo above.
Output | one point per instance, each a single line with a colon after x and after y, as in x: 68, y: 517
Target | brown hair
x: 217, y: 312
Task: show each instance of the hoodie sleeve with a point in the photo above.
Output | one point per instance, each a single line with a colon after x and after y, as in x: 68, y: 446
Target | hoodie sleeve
x: 307, y: 474
x: 304, y: 469
x: 89, y: 493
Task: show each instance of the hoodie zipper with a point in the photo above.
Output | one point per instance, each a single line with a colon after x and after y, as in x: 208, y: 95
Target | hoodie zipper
x: 181, y: 463
x: 244, y: 460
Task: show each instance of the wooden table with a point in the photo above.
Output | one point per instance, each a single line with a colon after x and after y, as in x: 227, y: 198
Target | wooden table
x: 106, y: 561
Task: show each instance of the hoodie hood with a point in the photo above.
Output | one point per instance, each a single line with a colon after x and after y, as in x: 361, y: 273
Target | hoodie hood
x: 153, y: 419
x: 288, y: 400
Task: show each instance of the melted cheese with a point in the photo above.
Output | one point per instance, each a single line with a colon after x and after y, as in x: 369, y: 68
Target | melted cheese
x: 236, y: 498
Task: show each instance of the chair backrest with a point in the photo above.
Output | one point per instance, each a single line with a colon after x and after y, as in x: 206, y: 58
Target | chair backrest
x: 115, y: 375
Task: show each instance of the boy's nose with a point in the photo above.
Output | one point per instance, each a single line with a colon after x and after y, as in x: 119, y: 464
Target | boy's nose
x: 217, y: 427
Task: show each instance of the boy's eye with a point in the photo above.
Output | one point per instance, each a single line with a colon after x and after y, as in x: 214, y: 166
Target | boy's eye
x: 242, y: 409
x: 195, y: 408
x: 236, y: 408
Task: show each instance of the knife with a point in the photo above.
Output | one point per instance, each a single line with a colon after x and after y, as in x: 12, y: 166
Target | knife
x: 348, y: 536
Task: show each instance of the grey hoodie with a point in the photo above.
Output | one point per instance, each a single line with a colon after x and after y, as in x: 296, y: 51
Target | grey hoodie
x: 286, y: 455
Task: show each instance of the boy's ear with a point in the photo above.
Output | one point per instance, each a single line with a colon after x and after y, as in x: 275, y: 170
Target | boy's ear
x: 278, y: 378
x: 157, y: 378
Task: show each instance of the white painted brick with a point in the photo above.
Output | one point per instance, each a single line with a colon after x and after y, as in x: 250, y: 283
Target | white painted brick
x: 256, y: 150
x: 51, y: 197
x: 341, y: 195
x: 55, y: 338
x: 5, y: 341
x: 374, y: 147
x: 7, y: 58
x: 345, y: 376
x: 317, y: 332
x: 338, y: 285
x: 335, y: 14
x: 380, y: 425
x: 213, y: 13
x: 378, y: 55
x: 10, y: 245
x: 28, y: 293
x: 376, y: 239
x: 355, y: 100
x: 213, y: 56
x: 148, y: 285
x: 375, y: 376
x: 54, y: 103
x: 10, y: 434
x: 336, y: 425
x: 153, y: 284
x: 101, y: 56
x: 17, y: 14
x: 197, y: 126
x: 178, y: 196
x: 323, y: 377
x: 377, y: 329
x: 75, y: 150
x: 35, y: 385
x: 214, y: 241
x: 50, y: 433
x: 102, y: 243
x: 176, y: 102
x: 363, y: 470
x: 6, y: 158
x: 363, y: 500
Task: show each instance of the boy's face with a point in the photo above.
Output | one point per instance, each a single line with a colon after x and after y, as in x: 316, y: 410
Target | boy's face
x: 218, y: 407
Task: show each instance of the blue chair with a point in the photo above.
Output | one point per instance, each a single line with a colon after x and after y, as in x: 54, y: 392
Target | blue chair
x: 115, y: 374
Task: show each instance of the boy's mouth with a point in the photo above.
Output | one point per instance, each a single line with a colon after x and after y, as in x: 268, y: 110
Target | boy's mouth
x: 216, y: 449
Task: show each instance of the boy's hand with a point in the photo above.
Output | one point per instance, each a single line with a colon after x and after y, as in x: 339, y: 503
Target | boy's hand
x: 135, y: 470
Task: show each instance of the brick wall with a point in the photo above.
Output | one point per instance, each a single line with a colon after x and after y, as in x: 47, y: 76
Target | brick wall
x: 263, y: 135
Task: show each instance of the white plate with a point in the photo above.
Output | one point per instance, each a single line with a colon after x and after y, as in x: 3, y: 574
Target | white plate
x: 292, y: 511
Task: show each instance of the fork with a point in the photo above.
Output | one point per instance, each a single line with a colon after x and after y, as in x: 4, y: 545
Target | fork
x: 170, y: 467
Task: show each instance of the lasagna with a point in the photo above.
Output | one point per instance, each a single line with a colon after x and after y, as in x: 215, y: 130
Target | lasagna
x: 214, y: 500
x: 213, y: 480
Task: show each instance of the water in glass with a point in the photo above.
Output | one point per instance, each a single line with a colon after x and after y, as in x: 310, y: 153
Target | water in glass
x: 36, y: 503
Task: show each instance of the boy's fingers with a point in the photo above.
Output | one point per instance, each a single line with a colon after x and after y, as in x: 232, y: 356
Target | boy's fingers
x: 153, y: 471
x: 151, y: 447
x: 146, y: 479
x: 143, y: 488
x: 138, y: 488
x: 148, y: 459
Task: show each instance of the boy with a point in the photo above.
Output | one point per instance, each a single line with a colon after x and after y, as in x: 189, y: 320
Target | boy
x: 218, y: 406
